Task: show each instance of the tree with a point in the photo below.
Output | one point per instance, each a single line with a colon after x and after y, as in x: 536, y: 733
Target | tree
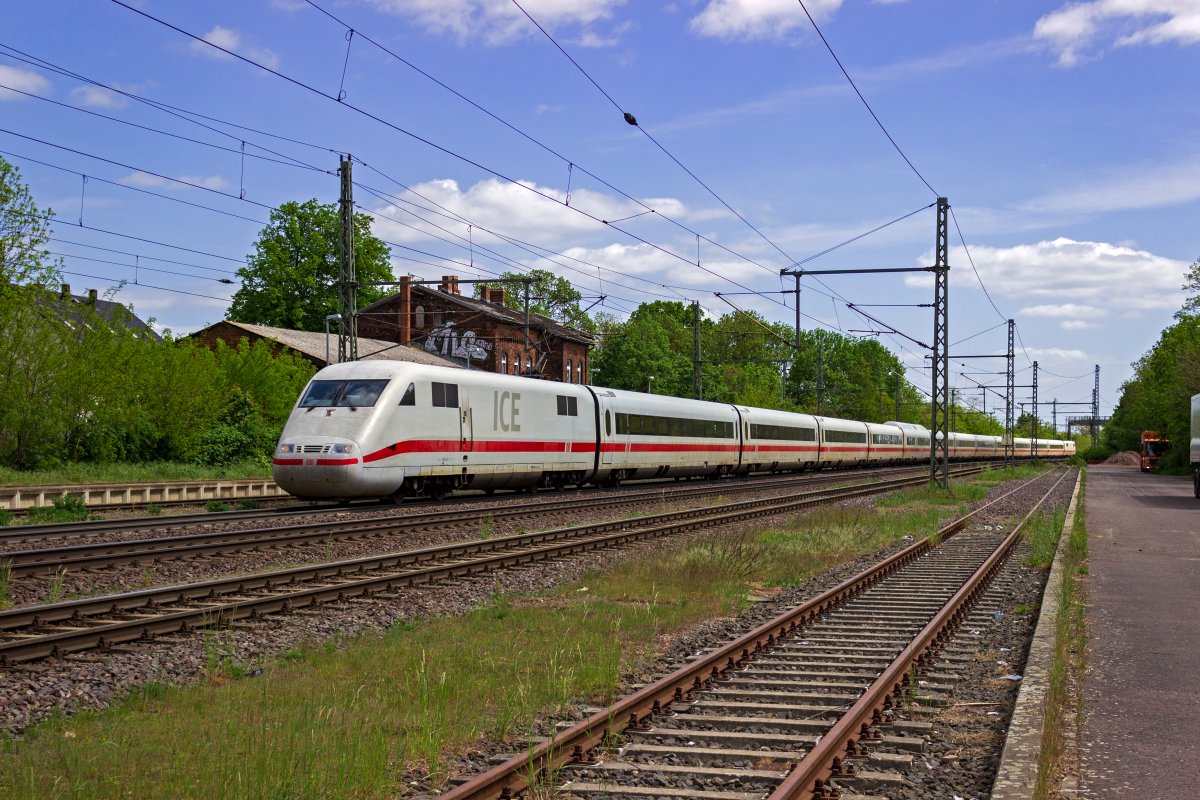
x: 291, y: 279
x: 24, y: 230
x: 549, y: 295
x: 1191, y: 306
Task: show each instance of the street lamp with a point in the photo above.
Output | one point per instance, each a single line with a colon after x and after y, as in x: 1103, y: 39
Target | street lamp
x: 649, y: 384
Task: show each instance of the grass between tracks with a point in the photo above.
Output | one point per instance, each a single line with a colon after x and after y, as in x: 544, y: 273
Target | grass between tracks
x: 152, y: 472
x: 347, y: 720
x: 1063, y: 706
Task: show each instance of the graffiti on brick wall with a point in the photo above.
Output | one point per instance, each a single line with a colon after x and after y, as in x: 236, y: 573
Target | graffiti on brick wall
x: 448, y: 341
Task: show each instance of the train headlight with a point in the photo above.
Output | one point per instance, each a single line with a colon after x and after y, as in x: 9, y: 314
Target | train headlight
x: 343, y: 448
x: 284, y: 447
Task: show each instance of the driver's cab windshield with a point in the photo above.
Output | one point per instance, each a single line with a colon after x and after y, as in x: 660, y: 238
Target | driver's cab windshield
x: 345, y: 394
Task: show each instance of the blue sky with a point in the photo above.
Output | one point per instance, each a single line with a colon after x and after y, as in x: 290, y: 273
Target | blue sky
x: 1063, y: 135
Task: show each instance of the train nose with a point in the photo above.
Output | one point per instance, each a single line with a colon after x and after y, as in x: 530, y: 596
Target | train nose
x: 318, y: 467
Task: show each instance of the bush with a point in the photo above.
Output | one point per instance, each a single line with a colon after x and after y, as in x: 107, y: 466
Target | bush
x: 65, y: 509
x: 216, y: 506
x: 1094, y: 453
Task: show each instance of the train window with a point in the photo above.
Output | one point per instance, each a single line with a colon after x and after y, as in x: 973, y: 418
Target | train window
x: 785, y: 432
x: 445, y: 395
x: 410, y: 396
x: 321, y: 393
x: 568, y: 406
x: 850, y: 437
x: 346, y: 394
x: 885, y: 438
x: 607, y: 423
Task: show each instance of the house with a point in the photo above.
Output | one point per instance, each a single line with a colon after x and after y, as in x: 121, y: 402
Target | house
x: 313, y: 345
x: 84, y: 311
x: 479, y: 333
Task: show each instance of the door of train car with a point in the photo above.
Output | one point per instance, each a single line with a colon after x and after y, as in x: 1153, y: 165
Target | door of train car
x: 466, y: 421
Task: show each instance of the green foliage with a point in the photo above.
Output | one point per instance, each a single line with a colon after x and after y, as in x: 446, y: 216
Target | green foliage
x: 6, y: 517
x: 86, y: 389
x: 24, y: 231
x: 216, y: 506
x: 859, y: 377
x: 66, y: 508
x: 290, y: 280
x: 549, y: 295
x: 1158, y: 397
x: 1096, y: 453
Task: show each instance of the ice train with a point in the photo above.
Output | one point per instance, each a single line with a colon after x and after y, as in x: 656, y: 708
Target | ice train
x: 376, y: 429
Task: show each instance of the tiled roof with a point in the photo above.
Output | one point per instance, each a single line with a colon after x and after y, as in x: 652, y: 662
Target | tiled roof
x: 70, y: 308
x: 312, y: 344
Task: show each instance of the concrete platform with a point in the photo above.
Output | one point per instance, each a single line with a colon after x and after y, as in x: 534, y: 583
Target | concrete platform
x: 1141, y: 734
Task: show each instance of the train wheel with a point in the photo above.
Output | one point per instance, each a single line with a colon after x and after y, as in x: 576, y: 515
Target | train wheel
x: 438, y: 491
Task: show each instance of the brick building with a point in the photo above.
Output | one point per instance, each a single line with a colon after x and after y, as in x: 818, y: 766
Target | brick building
x: 478, y: 333
x: 311, y: 345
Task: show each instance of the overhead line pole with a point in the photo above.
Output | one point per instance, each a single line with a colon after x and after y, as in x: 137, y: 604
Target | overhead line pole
x: 941, y: 350
x: 1033, y: 424
x: 1010, y: 398
x: 347, y: 281
x: 697, y: 376
x: 939, y: 461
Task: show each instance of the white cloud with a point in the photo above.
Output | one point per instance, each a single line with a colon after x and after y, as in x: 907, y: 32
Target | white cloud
x: 1076, y: 325
x: 24, y: 80
x: 97, y: 97
x: 207, y: 181
x: 744, y: 20
x: 516, y: 211
x: 1074, y: 29
x: 1133, y: 187
x: 143, y: 180
x: 1068, y: 310
x: 1055, y: 356
x: 1095, y: 274
x: 498, y: 22
x: 229, y: 39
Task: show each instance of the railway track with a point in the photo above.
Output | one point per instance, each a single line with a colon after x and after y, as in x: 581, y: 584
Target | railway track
x: 809, y: 706
x: 24, y: 563
x: 12, y: 534
x: 34, y: 632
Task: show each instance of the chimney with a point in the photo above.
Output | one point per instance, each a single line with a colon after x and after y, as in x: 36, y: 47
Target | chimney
x: 92, y: 297
x: 444, y: 286
x: 497, y: 296
x: 65, y: 293
x: 405, y: 310
x: 454, y: 284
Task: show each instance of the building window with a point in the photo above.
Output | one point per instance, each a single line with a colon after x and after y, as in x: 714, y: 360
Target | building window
x: 570, y: 375
x: 504, y: 363
x: 528, y: 364
x: 579, y: 371
x: 419, y: 317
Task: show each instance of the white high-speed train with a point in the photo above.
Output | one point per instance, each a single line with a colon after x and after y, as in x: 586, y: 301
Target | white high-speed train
x: 372, y: 429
